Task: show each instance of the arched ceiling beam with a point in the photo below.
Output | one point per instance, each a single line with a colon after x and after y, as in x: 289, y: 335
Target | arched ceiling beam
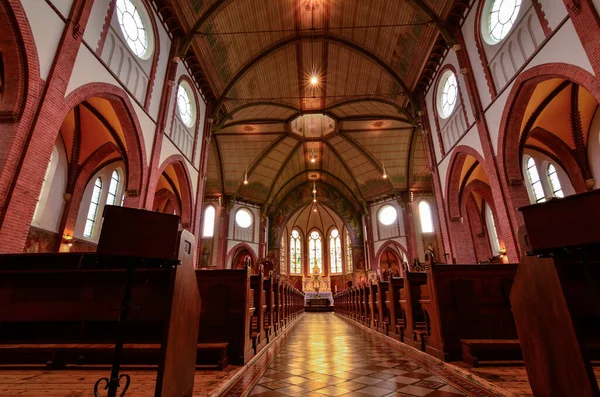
x: 375, y: 117
x: 439, y: 24
x: 219, y: 164
x: 337, y: 155
x: 229, y: 116
x: 187, y: 41
x: 274, y: 48
x: 400, y: 109
x: 299, y: 174
x: 409, y: 158
x: 365, y: 153
x: 261, y: 156
x: 256, y: 121
x: 287, y: 159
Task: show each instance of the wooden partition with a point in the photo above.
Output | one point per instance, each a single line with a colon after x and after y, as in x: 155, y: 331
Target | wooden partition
x: 66, y: 308
x: 440, y: 310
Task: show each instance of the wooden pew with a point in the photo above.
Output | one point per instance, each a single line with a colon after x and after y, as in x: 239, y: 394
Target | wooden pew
x: 414, y: 324
x: 466, y: 302
x: 383, y: 323
x: 259, y: 338
x: 373, y: 305
x: 367, y: 312
x: 392, y: 303
x: 69, y: 301
x: 269, y: 323
x: 228, y: 317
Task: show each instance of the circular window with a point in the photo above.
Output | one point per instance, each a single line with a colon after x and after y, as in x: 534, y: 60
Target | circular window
x: 334, y: 233
x: 501, y: 16
x: 447, y: 94
x: 387, y: 215
x: 243, y: 218
x: 184, y: 104
x: 133, y: 28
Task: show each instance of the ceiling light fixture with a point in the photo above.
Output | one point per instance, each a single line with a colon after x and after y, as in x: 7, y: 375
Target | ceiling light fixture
x: 314, y: 80
x: 314, y: 188
x: 385, y: 175
x: 246, y: 176
x: 312, y: 156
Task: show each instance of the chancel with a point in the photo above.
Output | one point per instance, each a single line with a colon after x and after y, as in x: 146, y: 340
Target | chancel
x: 299, y: 197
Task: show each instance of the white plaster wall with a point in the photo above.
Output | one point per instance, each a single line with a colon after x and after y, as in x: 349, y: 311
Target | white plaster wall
x: 593, y: 145
x: 47, y: 29
x: 161, y: 68
x: 95, y: 23
x: 596, y: 4
x: 555, y: 12
x: 468, y: 32
x: 63, y: 6
x: 51, y: 199
x: 493, y: 116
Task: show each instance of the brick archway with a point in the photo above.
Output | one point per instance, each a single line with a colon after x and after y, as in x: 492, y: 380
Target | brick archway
x: 132, y: 132
x: 509, y: 139
x: 239, y: 249
x: 185, y: 184
x: 453, y: 178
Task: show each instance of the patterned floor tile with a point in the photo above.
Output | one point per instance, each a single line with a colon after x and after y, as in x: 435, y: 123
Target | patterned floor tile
x: 324, y: 355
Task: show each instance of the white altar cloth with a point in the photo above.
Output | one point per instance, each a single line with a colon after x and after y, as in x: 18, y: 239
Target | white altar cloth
x: 324, y: 295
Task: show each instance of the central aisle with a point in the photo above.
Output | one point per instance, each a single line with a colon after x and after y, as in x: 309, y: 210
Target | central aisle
x: 325, y: 355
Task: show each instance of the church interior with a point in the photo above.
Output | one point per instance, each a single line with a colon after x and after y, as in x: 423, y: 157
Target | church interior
x: 299, y: 198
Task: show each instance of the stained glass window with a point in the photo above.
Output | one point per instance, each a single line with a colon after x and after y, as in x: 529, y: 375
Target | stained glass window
x: 314, y: 252
x: 93, y: 210
x: 349, y: 259
x: 295, y: 253
x: 282, y: 269
x: 132, y: 27
x: 554, y: 182
x: 335, y: 251
x: 503, y: 15
x: 534, y: 181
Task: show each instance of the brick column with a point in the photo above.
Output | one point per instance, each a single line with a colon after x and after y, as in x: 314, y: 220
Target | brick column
x: 585, y: 19
x: 25, y: 188
x: 507, y: 221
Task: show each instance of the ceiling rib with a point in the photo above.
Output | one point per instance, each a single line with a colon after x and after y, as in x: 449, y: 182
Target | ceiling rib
x: 274, y: 48
x: 261, y: 156
x: 320, y: 181
x: 439, y: 24
x: 287, y: 159
x: 337, y: 155
x: 229, y: 116
x: 400, y: 109
x: 365, y: 153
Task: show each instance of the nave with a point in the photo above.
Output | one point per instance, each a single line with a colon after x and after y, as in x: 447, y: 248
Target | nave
x: 325, y: 355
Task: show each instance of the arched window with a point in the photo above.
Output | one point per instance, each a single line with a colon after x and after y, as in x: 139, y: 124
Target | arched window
x: 534, y: 181
x: 492, y: 232
x: 295, y: 253
x: 554, y: 182
x: 133, y: 28
x: 315, y: 256
x: 349, y: 259
x: 186, y: 107
x: 208, y: 229
x: 448, y: 94
x: 501, y: 18
x: 112, y: 188
x: 282, y: 256
x: 335, y: 252
x: 425, y: 216
x: 88, y: 231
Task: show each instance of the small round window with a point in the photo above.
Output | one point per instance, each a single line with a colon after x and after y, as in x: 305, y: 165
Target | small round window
x: 447, y: 94
x: 387, y: 215
x: 501, y: 16
x: 133, y: 27
x: 243, y: 218
x: 185, y: 104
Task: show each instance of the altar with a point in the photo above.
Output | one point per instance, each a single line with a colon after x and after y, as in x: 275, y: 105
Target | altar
x: 324, y: 295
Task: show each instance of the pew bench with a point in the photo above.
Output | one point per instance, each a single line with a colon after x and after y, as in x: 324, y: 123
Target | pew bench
x: 477, y: 351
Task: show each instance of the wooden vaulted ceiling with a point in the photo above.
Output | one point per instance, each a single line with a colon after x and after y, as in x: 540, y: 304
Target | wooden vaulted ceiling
x: 256, y: 58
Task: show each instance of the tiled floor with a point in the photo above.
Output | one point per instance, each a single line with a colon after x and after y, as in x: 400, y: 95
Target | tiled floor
x: 327, y: 356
